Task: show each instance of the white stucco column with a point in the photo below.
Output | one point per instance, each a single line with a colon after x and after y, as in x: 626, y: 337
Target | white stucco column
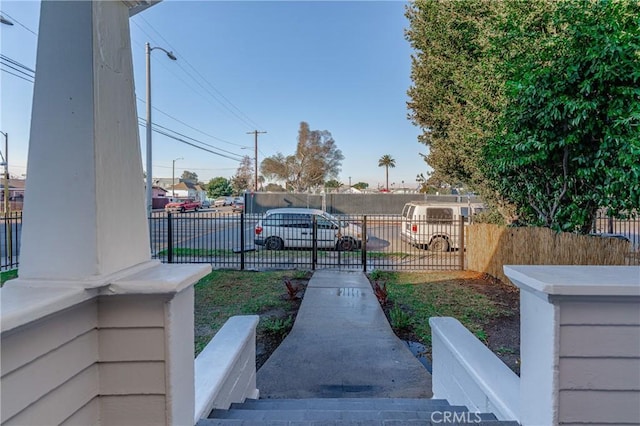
x: 84, y: 215
x: 579, y: 344
x: 93, y: 331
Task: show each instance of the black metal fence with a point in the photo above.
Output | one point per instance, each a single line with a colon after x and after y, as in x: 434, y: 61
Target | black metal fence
x: 244, y: 242
x: 10, y: 231
x: 227, y: 240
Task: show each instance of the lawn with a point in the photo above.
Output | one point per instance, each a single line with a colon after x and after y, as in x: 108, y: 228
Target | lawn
x: 8, y: 275
x: 224, y: 293
x: 488, y: 308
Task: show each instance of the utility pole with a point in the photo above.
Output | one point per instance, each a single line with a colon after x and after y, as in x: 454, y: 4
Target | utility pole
x: 255, y: 158
x: 5, y: 160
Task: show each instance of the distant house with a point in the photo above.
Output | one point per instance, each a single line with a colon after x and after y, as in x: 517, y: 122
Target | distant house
x: 16, y: 193
x: 158, y: 192
x: 187, y: 189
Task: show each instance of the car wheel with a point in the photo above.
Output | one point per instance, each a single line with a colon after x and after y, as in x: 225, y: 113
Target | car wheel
x: 196, y: 209
x: 346, y: 244
x: 181, y: 209
x: 274, y: 243
x: 439, y: 244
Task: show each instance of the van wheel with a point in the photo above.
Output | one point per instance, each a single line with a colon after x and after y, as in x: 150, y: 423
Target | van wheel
x: 274, y: 243
x: 346, y: 244
x: 439, y: 244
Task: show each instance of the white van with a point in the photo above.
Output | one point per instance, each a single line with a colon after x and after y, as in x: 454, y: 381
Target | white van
x: 436, y: 226
x: 293, y: 228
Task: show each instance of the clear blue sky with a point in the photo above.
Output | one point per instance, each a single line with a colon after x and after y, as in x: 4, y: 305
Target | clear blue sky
x: 244, y: 65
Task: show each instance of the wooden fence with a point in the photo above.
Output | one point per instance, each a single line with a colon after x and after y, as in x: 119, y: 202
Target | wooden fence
x: 490, y: 247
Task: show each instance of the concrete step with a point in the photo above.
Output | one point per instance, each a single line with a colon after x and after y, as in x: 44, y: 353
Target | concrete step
x: 240, y: 422
x: 351, y: 415
x: 389, y: 404
x: 415, y: 422
x: 349, y: 412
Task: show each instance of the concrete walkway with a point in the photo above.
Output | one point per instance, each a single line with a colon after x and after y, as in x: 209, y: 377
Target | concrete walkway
x: 341, y: 345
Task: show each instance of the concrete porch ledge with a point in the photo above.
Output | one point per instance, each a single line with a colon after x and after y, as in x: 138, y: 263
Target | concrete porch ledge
x: 225, y: 370
x: 466, y: 372
x: 26, y: 301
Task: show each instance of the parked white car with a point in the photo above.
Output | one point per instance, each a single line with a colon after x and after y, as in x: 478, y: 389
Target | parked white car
x: 294, y: 227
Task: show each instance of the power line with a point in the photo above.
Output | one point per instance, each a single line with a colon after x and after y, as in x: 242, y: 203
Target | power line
x: 13, y: 61
x: 238, y: 114
x: 142, y: 124
x: 191, y: 127
x: 248, y: 120
x: 24, y: 71
x: 19, y: 23
x: 195, y: 140
x: 16, y: 75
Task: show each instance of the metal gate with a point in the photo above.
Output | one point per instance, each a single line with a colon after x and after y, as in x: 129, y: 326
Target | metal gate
x: 227, y: 240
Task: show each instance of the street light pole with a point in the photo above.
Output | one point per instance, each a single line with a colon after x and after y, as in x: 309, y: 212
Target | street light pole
x: 171, y: 56
x: 173, y: 178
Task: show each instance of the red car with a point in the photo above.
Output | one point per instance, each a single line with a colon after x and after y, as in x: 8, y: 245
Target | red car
x: 182, y: 206
x: 238, y: 205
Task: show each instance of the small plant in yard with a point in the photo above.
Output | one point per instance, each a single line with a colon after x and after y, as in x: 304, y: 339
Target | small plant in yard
x: 381, y: 292
x: 375, y: 275
x: 399, y: 318
x: 292, y: 289
x: 278, y: 327
x: 301, y: 275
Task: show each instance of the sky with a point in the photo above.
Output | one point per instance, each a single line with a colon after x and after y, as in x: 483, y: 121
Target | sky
x: 341, y: 66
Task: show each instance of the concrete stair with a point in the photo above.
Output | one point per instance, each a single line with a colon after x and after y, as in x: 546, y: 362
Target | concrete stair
x: 348, y: 411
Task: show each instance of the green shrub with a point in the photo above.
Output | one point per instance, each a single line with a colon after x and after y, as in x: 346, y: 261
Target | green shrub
x: 399, y: 318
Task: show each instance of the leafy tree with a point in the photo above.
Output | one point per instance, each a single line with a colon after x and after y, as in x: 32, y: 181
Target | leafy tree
x: 273, y: 187
x: 317, y: 158
x: 332, y: 184
x: 243, y: 179
x: 386, y: 161
x: 570, y: 136
x: 219, y: 187
x: 361, y: 185
x: 455, y: 95
x: 189, y: 176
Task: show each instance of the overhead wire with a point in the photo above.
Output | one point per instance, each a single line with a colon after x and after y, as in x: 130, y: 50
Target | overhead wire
x: 241, y: 116
x: 19, y: 23
x: 249, y: 121
x: 17, y: 75
x: 189, y: 126
x: 26, y: 73
x: 13, y: 61
x: 235, y: 157
x: 195, y: 140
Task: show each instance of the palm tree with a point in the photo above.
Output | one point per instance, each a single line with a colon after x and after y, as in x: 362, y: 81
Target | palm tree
x: 386, y: 161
